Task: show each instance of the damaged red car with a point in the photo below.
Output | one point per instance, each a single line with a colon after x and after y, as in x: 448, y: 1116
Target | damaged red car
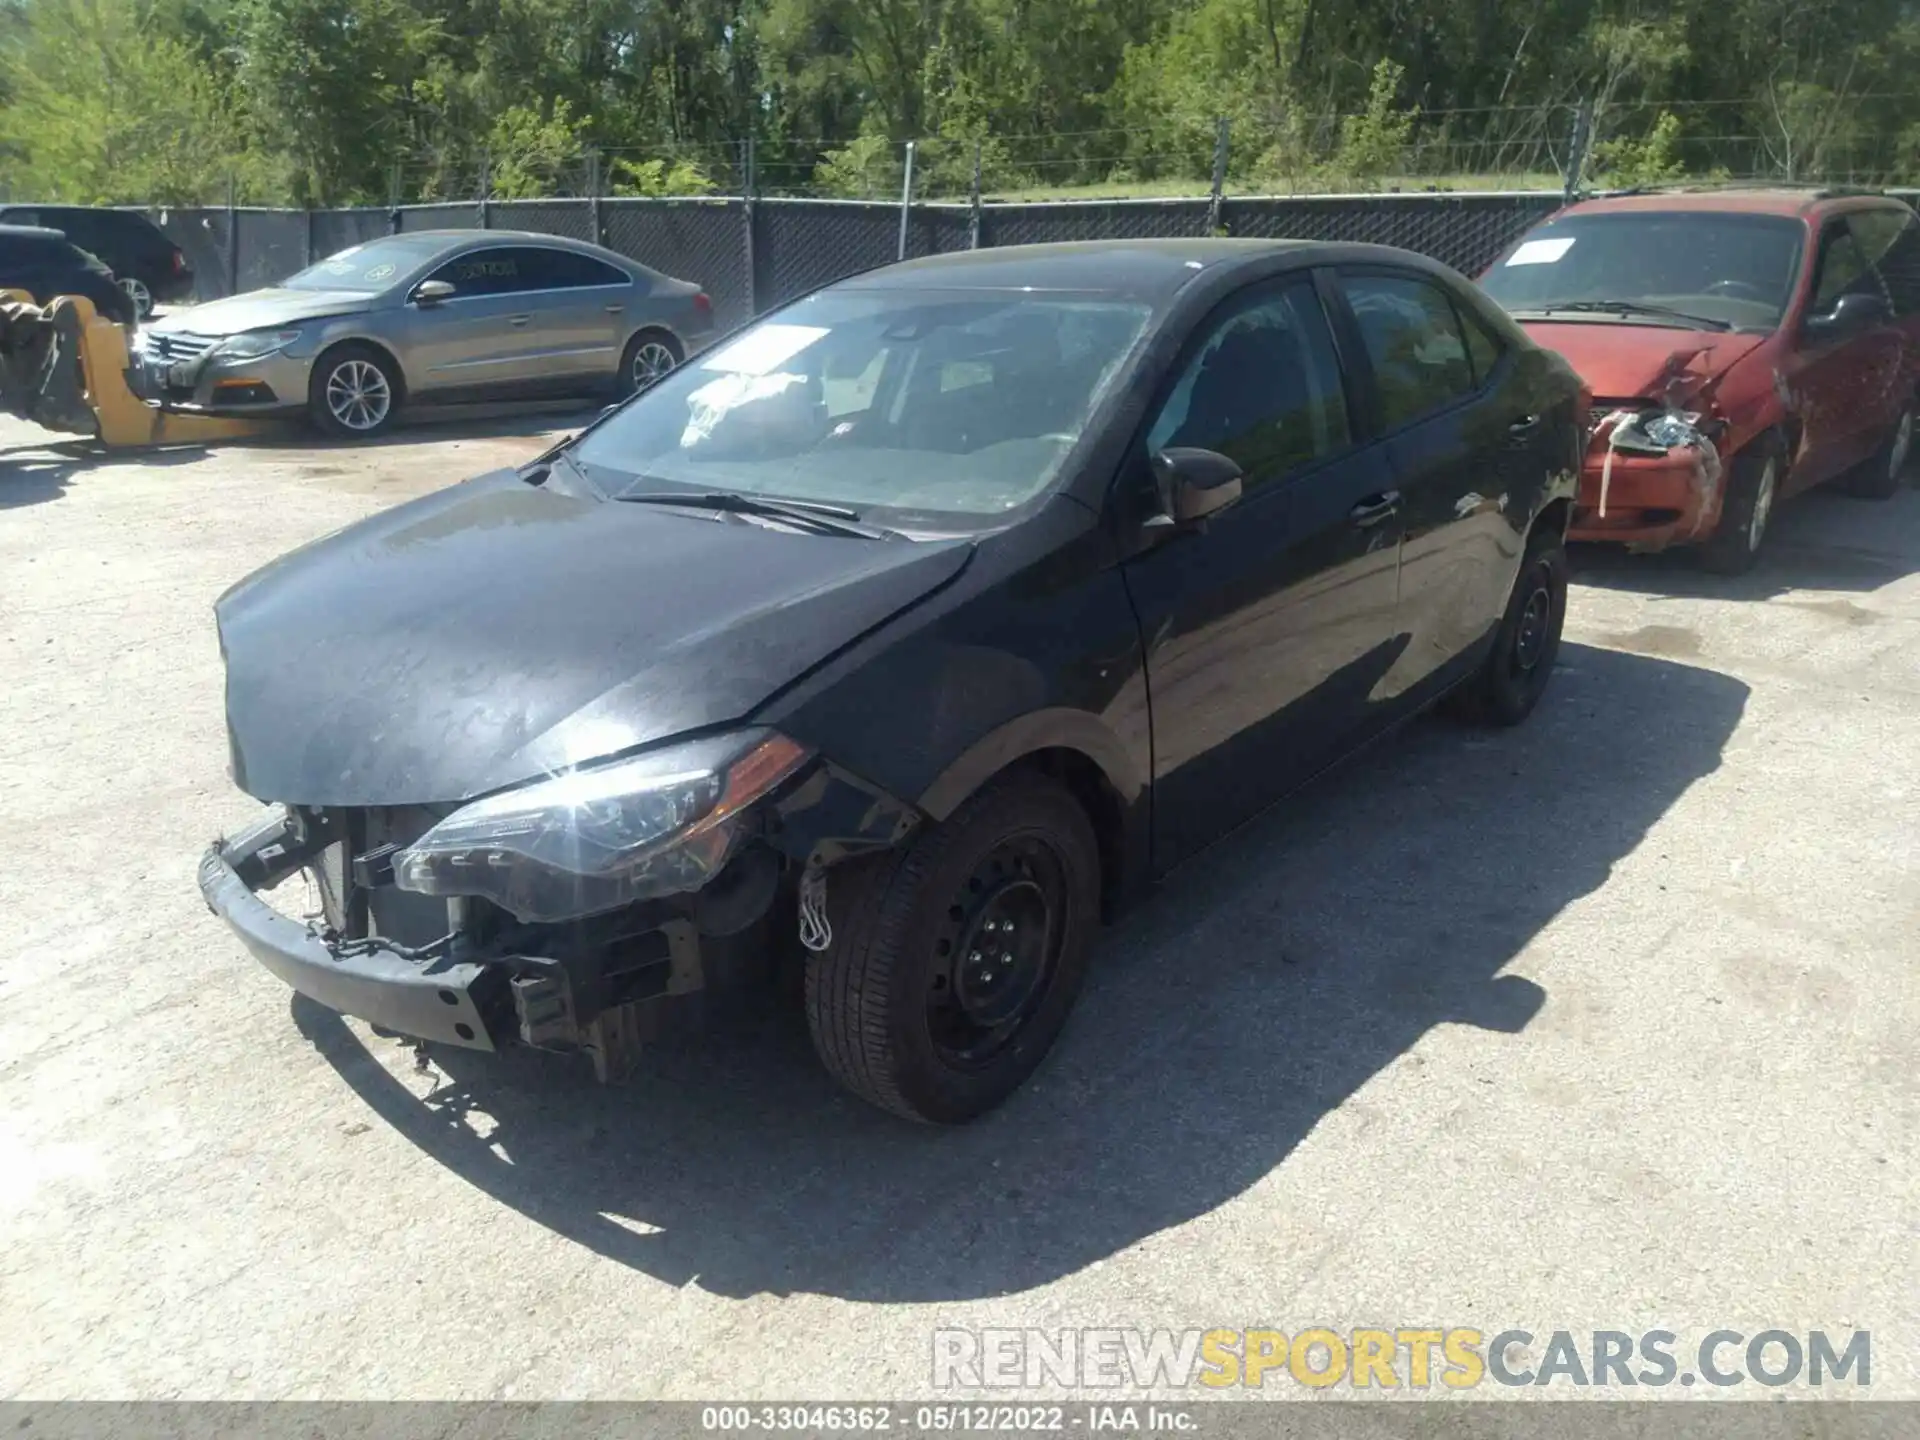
x: 1741, y: 345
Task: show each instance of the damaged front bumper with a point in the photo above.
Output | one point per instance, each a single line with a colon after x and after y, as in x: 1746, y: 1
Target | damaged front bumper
x: 1638, y: 492
x: 460, y: 971
x: 430, y: 999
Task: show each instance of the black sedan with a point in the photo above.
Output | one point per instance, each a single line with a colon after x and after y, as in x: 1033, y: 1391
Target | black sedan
x: 898, y: 640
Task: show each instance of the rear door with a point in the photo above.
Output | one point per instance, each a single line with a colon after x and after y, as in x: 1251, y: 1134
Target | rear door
x: 581, y: 314
x: 1268, y: 626
x: 1844, y: 382
x: 1464, y: 436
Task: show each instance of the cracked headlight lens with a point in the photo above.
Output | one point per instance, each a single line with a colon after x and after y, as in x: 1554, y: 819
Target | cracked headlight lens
x: 661, y: 823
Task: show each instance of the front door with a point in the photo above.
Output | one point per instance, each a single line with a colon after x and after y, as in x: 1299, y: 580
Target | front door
x: 1268, y: 625
x: 1843, y: 382
x: 485, y: 337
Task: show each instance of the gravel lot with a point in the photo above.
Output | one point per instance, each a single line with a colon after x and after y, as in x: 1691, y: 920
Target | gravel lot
x: 1607, y: 1022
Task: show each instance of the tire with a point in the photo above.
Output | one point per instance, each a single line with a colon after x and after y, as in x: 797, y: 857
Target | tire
x: 139, y: 295
x: 1752, y: 488
x: 1527, y: 644
x: 902, y: 1005
x: 344, y: 372
x: 1881, y: 477
x: 641, y: 365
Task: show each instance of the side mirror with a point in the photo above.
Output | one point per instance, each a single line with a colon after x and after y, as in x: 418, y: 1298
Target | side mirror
x: 1850, y: 314
x: 1193, y: 484
x: 432, y: 292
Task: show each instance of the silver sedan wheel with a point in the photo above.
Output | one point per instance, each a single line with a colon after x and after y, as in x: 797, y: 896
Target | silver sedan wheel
x: 650, y: 362
x: 141, y: 297
x: 358, y: 395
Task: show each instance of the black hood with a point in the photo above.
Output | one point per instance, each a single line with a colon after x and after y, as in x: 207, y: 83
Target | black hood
x: 493, y: 632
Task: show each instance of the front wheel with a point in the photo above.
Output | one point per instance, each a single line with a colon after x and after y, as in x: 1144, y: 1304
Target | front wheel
x: 354, y: 392
x: 956, y: 958
x: 1753, y: 484
x: 650, y: 355
x: 1525, y: 647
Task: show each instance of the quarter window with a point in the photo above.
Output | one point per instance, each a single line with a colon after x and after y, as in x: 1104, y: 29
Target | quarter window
x: 1264, y: 388
x: 1414, y: 342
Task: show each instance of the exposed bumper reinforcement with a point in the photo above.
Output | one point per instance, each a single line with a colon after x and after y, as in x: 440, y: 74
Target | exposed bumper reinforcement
x: 430, y: 1000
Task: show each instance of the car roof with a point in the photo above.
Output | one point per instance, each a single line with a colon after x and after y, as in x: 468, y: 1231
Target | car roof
x: 496, y: 237
x: 32, y: 232
x: 1155, y: 268
x: 1756, y: 200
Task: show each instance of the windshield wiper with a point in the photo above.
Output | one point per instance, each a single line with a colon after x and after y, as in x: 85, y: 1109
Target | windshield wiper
x: 1628, y: 307
x: 827, y: 519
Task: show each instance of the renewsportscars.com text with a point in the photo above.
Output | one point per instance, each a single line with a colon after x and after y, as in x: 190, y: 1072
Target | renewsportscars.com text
x: 1418, y: 1358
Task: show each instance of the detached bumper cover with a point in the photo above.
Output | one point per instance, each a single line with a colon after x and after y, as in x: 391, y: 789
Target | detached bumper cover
x: 430, y: 1000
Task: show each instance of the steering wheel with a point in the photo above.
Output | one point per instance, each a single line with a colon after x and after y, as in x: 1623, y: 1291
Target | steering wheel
x: 1742, y: 288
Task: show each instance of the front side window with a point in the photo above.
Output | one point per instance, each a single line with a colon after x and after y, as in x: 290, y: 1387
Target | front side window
x: 921, y: 407
x: 1843, y: 270
x: 1414, y: 343
x: 498, y: 270
x: 1890, y: 241
x: 1263, y: 388
x: 1721, y: 267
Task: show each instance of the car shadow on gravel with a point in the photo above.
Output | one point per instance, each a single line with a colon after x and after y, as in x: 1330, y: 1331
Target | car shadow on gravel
x: 1822, y: 540
x: 32, y: 474
x: 1250, y: 996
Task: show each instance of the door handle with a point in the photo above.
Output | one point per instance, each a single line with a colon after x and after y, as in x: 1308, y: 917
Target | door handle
x: 616, y: 309
x: 1375, y: 508
x: 517, y: 321
x: 1524, y: 426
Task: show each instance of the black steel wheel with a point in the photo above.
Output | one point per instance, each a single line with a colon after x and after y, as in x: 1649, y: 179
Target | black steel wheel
x: 956, y: 958
x: 1525, y: 647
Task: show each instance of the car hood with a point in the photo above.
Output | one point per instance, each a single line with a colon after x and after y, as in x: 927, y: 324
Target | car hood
x: 258, y: 309
x: 495, y: 632
x: 1630, y: 362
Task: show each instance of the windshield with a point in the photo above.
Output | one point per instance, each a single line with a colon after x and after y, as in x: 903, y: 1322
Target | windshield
x: 929, y: 407
x: 370, y: 267
x: 1735, y: 269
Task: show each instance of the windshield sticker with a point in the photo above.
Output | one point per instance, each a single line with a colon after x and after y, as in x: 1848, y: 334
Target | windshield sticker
x: 380, y: 272
x: 763, y: 348
x: 1540, y: 252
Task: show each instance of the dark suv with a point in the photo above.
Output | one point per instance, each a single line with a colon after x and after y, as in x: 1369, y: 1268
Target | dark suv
x: 44, y: 263
x: 149, y: 266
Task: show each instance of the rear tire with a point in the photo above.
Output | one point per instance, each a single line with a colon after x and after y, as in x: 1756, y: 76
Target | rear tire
x: 649, y: 355
x: 1881, y: 477
x: 354, y: 392
x: 1527, y: 644
x: 1753, y: 485
x: 956, y: 958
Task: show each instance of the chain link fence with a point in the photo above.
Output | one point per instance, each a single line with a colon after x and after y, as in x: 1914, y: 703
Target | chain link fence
x: 753, y: 255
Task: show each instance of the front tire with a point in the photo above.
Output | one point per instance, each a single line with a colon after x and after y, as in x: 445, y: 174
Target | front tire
x: 354, y: 392
x: 956, y: 958
x: 141, y: 297
x: 1752, y: 488
x: 1527, y: 643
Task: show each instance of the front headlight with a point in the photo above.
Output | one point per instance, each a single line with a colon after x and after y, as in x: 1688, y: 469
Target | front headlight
x: 256, y: 343
x: 662, y: 823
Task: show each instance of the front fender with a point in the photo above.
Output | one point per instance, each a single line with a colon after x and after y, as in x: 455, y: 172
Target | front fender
x: 1051, y: 729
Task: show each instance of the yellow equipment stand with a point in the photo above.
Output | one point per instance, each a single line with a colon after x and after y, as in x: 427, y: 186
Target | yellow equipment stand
x: 124, y: 419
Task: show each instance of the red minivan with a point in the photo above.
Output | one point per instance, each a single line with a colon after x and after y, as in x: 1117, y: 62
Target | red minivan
x: 1741, y: 346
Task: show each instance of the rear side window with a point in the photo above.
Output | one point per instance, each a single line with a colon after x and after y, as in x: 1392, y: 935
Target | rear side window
x: 1414, y: 341
x: 570, y: 268
x: 1264, y: 387
x: 1889, y: 240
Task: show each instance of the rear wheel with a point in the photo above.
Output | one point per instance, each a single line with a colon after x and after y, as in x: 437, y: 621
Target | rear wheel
x: 141, y: 297
x: 955, y: 959
x: 1880, y: 477
x: 1515, y: 675
x: 1752, y: 487
x: 354, y: 392
x: 650, y: 355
